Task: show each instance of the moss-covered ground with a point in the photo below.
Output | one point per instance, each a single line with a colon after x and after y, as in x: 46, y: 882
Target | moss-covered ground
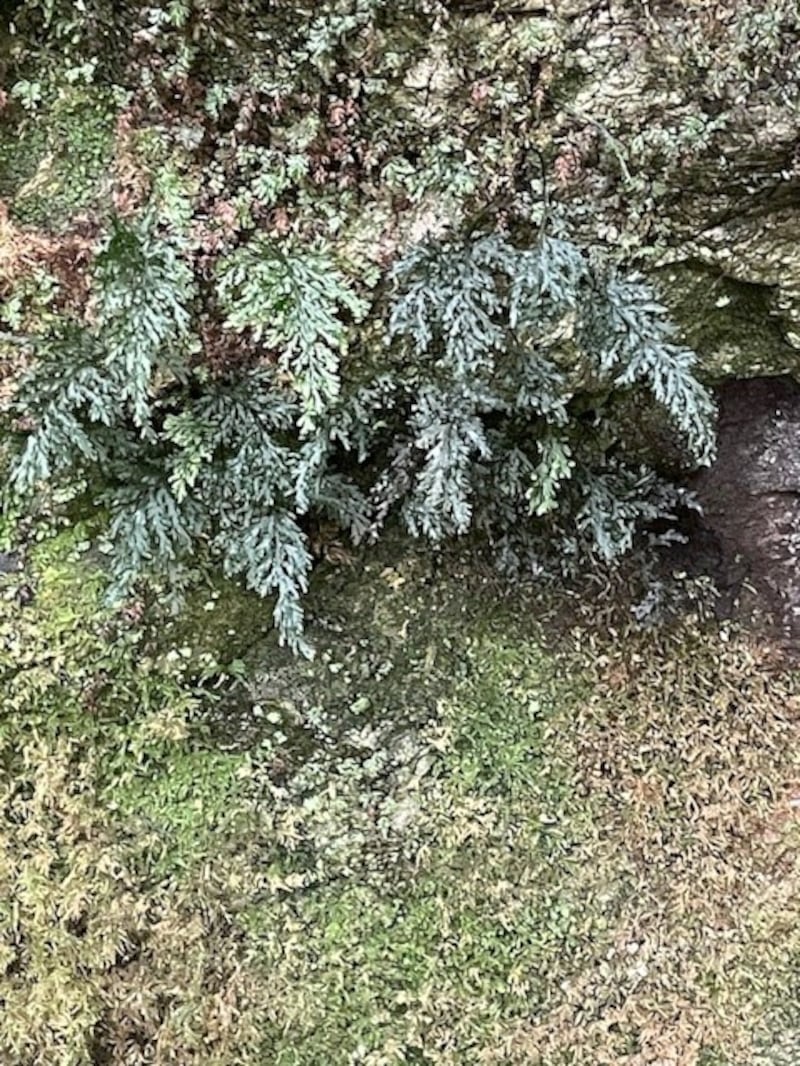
x: 471, y: 830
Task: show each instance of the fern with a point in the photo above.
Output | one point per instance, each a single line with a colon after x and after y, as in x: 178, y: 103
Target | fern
x: 230, y: 466
x: 101, y: 377
x: 240, y: 450
x: 508, y: 344
x: 445, y: 427
x: 627, y: 333
x: 143, y: 293
x: 555, y: 467
x: 475, y: 424
x: 151, y: 531
x: 546, y: 283
x: 291, y: 301
x: 449, y: 304
x: 615, y: 503
x: 272, y: 555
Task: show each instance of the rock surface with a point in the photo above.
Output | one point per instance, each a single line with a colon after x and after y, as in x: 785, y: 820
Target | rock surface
x: 9, y: 562
x: 751, y: 500
x: 736, y: 295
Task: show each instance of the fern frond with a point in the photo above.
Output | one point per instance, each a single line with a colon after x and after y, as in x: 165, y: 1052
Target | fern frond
x: 143, y: 293
x: 294, y: 302
x: 272, y: 556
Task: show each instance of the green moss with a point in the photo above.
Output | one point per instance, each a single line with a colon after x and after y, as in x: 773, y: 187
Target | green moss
x: 220, y: 620
x: 475, y: 833
x: 488, y: 916
x: 186, y: 802
x: 54, y: 162
x: 68, y: 591
x: 503, y: 722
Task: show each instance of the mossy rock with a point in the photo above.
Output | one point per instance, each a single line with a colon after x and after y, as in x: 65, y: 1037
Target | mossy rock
x: 729, y: 323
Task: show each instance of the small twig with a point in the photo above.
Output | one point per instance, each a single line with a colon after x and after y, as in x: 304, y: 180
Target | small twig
x: 545, y: 190
x: 616, y: 146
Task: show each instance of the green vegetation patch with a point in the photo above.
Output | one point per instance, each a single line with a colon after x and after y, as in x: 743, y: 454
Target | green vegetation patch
x: 54, y: 160
x: 437, y: 842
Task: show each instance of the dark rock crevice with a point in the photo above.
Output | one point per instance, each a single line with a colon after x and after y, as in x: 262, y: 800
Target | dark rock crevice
x: 748, y: 537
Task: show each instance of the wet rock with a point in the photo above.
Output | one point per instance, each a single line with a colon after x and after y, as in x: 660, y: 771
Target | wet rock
x: 751, y: 499
x: 762, y: 250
